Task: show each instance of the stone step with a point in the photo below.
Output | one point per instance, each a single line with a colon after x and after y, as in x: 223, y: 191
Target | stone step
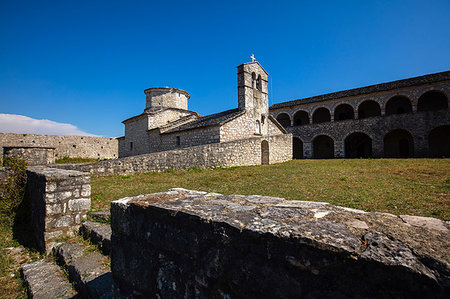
x: 45, y: 279
x: 99, y: 234
x: 103, y: 216
x: 90, y: 272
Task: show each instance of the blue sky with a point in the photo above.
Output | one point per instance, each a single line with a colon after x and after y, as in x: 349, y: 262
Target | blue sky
x: 87, y: 63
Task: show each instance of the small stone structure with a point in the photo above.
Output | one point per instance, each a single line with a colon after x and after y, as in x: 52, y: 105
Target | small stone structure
x: 400, y: 119
x: 167, y: 124
x: 59, y: 202
x: 70, y: 146
x: 190, y: 244
x: 223, y: 154
x: 31, y: 155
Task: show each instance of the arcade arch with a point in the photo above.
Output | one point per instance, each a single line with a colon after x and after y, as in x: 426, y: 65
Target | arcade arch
x: 297, y: 148
x: 398, y: 105
x: 358, y: 145
x: 321, y: 115
x: 343, y: 112
x: 432, y: 100
x: 439, y: 142
x: 398, y: 143
x: 323, y: 147
x: 301, y: 118
x: 368, y: 109
x: 284, y: 120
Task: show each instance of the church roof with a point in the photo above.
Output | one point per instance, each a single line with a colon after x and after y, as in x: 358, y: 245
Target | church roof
x: 426, y: 79
x: 208, y: 121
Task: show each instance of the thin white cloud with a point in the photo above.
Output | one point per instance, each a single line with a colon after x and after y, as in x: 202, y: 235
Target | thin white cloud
x: 13, y: 123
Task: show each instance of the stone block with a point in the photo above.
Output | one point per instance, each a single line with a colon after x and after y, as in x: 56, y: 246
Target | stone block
x: 208, y: 245
x: 54, y: 211
x: 80, y: 204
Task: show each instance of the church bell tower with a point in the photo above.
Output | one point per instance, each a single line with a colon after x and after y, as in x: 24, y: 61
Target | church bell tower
x: 253, y: 92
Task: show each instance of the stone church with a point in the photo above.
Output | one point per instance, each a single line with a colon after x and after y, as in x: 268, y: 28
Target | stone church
x: 167, y: 123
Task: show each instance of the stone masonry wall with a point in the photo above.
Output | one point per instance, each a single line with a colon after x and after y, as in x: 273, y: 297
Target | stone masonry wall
x: 226, y: 154
x: 71, y: 146
x: 32, y: 155
x: 419, y: 125
x: 190, y: 244
x: 59, y: 201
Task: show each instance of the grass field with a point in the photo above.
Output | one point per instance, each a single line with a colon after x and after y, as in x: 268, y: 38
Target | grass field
x: 399, y: 186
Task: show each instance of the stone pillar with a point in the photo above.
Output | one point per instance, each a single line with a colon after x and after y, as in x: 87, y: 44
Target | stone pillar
x: 59, y: 201
x: 339, y: 151
x: 307, y: 150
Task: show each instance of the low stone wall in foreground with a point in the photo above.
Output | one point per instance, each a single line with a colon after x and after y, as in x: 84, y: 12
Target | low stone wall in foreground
x: 59, y: 202
x: 225, y: 154
x: 188, y: 244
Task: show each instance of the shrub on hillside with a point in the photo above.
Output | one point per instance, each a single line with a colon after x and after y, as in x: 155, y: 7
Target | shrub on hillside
x: 12, y: 188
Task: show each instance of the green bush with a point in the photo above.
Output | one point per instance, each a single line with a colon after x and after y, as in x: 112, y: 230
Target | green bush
x: 12, y: 189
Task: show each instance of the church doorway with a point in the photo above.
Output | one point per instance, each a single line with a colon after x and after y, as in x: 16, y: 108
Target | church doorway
x: 264, y: 152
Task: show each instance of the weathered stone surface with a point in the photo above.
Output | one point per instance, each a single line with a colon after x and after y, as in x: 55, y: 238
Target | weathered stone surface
x: 184, y: 244
x: 431, y: 223
x: 89, y: 271
x: 105, y: 216
x: 97, y: 233
x: 46, y: 280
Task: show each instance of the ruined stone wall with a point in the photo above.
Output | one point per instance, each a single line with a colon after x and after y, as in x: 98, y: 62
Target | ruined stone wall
x: 31, y: 155
x: 71, y: 146
x: 226, y: 154
x: 59, y: 202
x: 194, y: 244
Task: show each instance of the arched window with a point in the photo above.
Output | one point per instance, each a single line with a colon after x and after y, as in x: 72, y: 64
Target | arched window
x: 343, y: 112
x: 259, y: 83
x: 253, y: 80
x: 368, y: 109
x: 321, y: 115
x: 301, y: 118
x: 432, y: 100
x: 284, y: 120
x: 398, y: 105
x: 257, y: 127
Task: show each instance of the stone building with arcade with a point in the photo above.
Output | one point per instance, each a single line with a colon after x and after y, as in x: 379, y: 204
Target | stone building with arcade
x: 405, y: 118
